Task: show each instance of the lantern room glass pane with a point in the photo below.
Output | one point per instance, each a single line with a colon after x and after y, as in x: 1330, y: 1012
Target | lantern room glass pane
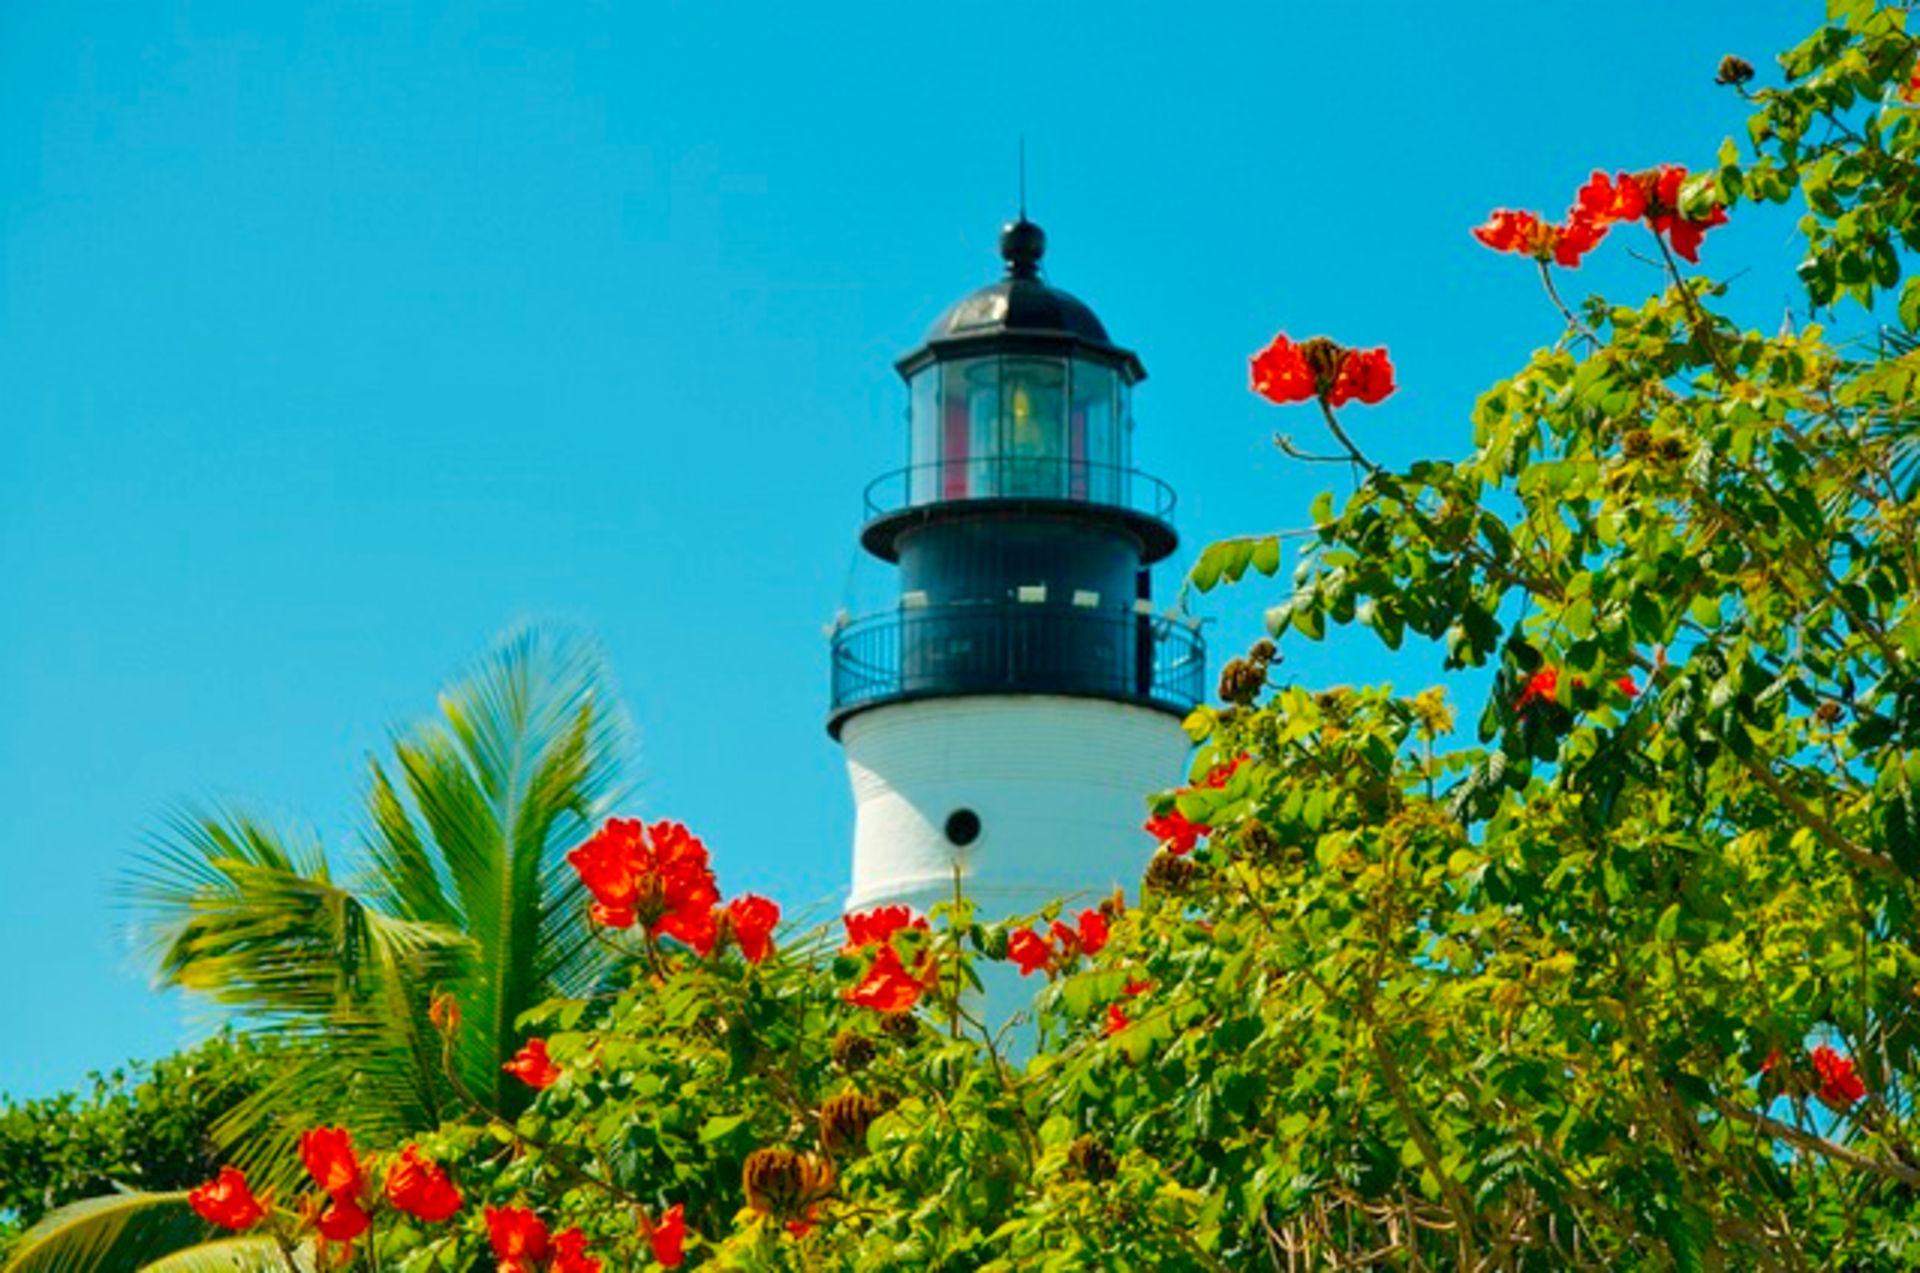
x: 1096, y: 467
x: 1034, y: 427
x: 923, y: 447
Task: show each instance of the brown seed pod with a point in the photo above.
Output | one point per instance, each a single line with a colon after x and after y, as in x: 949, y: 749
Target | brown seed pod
x: 853, y: 1051
x: 1090, y: 1160
x: 1828, y: 712
x: 845, y: 1118
x: 782, y: 1184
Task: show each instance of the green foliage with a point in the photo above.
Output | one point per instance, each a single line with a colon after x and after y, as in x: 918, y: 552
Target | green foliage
x: 1557, y: 998
x: 144, y: 1127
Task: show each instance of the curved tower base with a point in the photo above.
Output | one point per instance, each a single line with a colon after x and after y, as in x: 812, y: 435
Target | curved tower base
x: 1056, y: 787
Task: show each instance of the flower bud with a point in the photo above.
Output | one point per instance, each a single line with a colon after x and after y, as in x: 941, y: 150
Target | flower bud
x: 853, y: 1051
x: 1672, y: 450
x: 1733, y: 70
x: 1636, y: 443
x: 783, y: 1184
x: 845, y: 1118
x: 1260, y: 844
x: 1323, y: 358
x: 902, y: 1027
x: 1090, y: 1160
x: 1263, y: 651
x: 1169, y: 874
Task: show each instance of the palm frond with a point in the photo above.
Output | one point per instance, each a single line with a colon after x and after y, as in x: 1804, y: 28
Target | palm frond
x: 242, y: 1254
x: 522, y: 762
x: 252, y: 920
x: 116, y: 1231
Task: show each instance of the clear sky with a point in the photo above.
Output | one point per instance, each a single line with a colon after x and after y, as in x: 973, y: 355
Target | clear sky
x: 336, y: 340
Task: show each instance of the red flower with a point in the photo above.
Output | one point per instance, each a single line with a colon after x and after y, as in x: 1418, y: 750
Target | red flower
x: 1221, y: 774
x: 669, y: 1236
x: 1175, y: 831
x: 877, y: 926
x: 1628, y: 686
x: 1686, y: 235
x: 1604, y: 200
x: 342, y: 1221
x: 1281, y: 374
x: 656, y: 876
x: 519, y: 1238
x: 570, y: 1253
x: 888, y: 987
x: 1663, y: 211
x: 420, y: 1188
x: 328, y: 1154
x: 1134, y: 989
x: 532, y: 1066
x: 226, y: 1201
x: 1543, y: 684
x: 1365, y: 374
x: 1508, y: 231
x: 1030, y: 950
x: 1525, y: 234
x: 751, y: 920
x: 1839, y: 1086
x: 1116, y: 1019
x: 1093, y: 931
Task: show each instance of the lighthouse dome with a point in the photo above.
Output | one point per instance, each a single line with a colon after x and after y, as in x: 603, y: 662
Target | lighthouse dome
x: 1022, y: 311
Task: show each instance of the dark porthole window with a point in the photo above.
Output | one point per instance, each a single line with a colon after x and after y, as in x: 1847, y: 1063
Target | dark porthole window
x: 963, y: 827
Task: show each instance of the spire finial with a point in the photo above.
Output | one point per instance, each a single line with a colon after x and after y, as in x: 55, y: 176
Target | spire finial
x: 1023, y: 176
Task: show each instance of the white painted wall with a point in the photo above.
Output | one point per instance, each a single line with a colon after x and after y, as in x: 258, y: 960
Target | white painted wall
x: 1059, y: 784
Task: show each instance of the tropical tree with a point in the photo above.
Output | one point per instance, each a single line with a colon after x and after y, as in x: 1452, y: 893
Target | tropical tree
x: 456, y: 890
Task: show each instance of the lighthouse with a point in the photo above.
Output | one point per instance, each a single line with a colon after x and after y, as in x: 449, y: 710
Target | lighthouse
x: 1007, y: 714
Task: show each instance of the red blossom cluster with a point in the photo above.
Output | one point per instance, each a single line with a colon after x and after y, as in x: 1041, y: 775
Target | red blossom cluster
x: 1652, y: 196
x: 1544, y: 685
x: 1176, y: 831
x: 887, y: 985
x: 1840, y: 1086
x: 342, y: 1211
x: 1060, y: 946
x: 521, y: 1243
x: 1117, y: 1019
x: 1286, y: 372
x: 658, y: 877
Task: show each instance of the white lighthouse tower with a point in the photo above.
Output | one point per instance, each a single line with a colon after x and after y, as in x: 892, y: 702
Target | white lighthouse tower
x: 1011, y: 710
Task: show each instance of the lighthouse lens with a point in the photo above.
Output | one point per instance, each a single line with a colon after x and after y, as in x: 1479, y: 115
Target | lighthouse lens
x: 963, y: 827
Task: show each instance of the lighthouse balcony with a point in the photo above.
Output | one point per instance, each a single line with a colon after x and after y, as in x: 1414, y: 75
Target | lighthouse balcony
x: 1016, y: 647
x: 906, y: 498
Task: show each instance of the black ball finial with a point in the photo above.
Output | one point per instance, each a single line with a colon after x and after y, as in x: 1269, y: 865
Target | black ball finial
x: 1022, y: 244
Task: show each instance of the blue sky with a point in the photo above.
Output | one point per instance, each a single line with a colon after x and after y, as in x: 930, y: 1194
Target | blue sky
x: 336, y: 340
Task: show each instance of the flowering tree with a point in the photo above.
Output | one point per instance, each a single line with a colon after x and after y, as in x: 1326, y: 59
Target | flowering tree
x: 1632, y: 981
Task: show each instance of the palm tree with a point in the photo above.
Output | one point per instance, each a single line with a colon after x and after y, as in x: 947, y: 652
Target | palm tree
x: 459, y: 885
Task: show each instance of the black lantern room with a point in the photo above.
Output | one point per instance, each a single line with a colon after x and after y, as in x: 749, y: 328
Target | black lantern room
x: 1024, y: 536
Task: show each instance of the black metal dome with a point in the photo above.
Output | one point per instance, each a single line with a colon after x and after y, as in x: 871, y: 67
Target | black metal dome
x: 1021, y: 313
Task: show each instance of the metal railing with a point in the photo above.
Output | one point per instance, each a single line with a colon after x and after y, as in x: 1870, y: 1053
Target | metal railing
x: 1012, y: 477
x: 1017, y: 647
